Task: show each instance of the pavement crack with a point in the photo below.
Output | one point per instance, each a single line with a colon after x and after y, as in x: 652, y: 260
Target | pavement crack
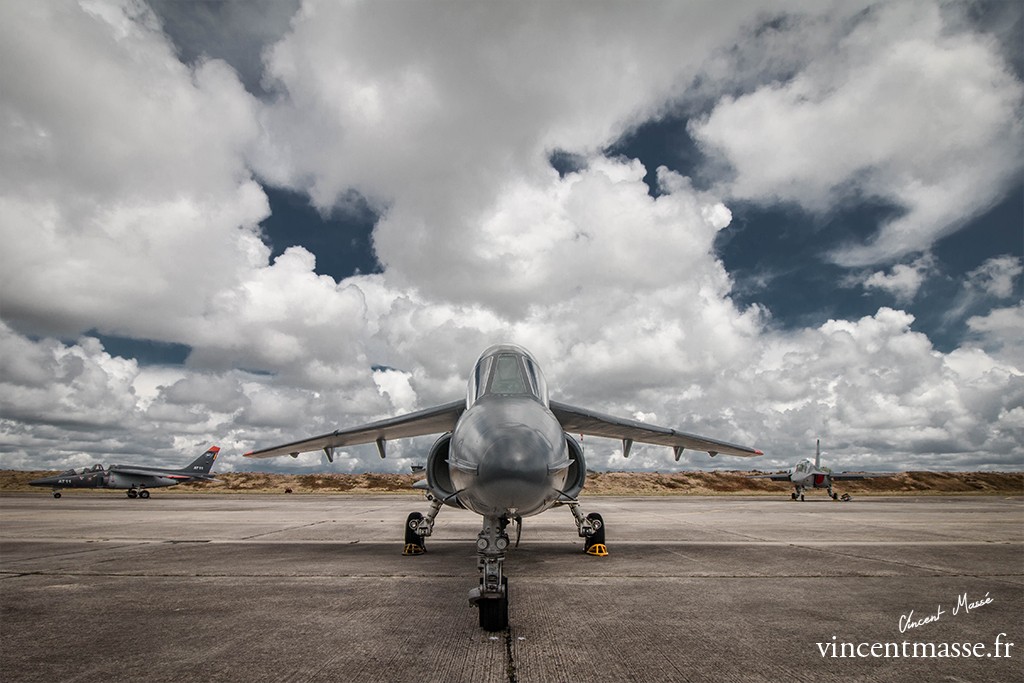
x: 284, y: 529
x: 510, y: 660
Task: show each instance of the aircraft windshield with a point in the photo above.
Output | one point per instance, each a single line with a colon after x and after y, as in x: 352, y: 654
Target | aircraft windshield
x: 85, y: 470
x: 507, y: 371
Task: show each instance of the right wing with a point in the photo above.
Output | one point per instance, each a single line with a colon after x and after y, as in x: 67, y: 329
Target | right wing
x: 434, y: 420
x: 586, y: 421
x: 785, y: 476
x: 850, y: 476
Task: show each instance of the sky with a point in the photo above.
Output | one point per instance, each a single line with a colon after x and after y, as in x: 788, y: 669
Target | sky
x: 245, y: 223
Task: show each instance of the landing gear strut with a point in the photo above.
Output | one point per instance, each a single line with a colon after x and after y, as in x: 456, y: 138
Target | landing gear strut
x: 591, y: 530
x: 418, y: 527
x: 491, y: 596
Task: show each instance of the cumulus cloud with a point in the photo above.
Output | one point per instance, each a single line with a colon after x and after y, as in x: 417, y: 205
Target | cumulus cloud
x: 901, y: 109
x: 125, y: 201
x: 130, y: 205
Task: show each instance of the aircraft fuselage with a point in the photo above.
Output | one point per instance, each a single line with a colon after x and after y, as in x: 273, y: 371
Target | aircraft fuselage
x: 508, y: 457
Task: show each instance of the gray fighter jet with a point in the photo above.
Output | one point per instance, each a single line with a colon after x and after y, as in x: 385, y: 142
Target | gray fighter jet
x: 810, y: 474
x: 136, y: 479
x: 505, y: 453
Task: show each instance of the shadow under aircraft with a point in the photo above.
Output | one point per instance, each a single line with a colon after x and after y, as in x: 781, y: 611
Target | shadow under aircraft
x: 504, y: 453
x: 134, y: 478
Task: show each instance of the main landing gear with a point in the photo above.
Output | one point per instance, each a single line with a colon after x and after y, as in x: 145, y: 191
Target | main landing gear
x: 56, y: 494
x: 418, y: 527
x: 140, y: 493
x: 591, y: 530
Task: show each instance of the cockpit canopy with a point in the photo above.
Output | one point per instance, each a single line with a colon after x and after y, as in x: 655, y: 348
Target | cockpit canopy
x: 85, y: 470
x: 507, y: 370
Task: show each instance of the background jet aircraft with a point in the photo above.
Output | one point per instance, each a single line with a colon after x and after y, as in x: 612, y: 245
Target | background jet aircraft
x: 505, y: 453
x: 810, y: 474
x: 136, y: 479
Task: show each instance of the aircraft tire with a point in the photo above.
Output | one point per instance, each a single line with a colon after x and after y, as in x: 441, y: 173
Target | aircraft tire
x: 598, y: 536
x: 494, y: 611
x: 411, y: 537
x: 801, y: 497
x: 143, y: 494
x: 132, y: 493
x: 792, y: 496
x: 56, y: 494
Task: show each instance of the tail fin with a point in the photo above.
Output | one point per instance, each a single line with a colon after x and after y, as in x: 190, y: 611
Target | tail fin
x: 204, y: 462
x: 817, y: 454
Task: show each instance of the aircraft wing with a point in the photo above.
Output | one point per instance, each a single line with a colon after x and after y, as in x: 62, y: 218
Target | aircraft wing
x: 584, y: 421
x: 429, y: 421
x: 784, y: 476
x: 143, y: 472
x: 849, y: 476
x: 169, y: 474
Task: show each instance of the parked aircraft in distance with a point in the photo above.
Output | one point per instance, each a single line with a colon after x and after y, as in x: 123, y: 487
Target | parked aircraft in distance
x: 136, y: 479
x: 505, y: 453
x: 810, y: 474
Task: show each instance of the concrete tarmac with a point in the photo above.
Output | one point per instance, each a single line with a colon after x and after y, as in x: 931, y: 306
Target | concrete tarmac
x: 97, y: 587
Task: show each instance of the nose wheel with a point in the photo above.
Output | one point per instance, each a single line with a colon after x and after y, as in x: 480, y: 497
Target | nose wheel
x: 494, y: 611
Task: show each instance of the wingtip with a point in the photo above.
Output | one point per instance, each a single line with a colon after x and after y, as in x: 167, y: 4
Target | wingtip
x: 247, y: 455
x: 757, y: 452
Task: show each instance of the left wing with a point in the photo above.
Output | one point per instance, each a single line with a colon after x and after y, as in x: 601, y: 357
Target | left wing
x: 430, y: 421
x: 586, y: 421
x: 169, y: 474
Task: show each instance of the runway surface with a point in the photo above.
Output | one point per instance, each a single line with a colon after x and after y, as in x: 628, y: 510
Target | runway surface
x: 97, y: 587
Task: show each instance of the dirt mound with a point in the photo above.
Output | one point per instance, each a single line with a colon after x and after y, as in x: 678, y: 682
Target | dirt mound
x: 735, y: 482
x: 598, y: 483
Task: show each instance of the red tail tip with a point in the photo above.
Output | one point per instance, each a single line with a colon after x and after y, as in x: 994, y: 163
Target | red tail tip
x: 215, y: 449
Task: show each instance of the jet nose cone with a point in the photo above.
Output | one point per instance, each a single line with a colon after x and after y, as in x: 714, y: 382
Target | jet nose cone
x: 45, y: 481
x: 513, y: 472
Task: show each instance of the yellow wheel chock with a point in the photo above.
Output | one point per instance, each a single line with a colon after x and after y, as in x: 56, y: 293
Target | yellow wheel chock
x: 598, y: 549
x: 413, y: 549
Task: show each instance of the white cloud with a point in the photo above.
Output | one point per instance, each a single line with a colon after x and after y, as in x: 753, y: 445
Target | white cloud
x: 901, y: 109
x: 125, y: 201
x: 903, y: 280
x: 997, y: 276
x: 128, y: 206
x: 1000, y: 333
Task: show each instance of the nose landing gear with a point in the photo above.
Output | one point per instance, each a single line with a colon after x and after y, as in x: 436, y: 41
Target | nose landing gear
x: 491, y: 596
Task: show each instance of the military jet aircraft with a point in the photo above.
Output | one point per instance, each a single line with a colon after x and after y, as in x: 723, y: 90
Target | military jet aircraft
x: 136, y: 479
x: 810, y: 474
x: 505, y: 453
